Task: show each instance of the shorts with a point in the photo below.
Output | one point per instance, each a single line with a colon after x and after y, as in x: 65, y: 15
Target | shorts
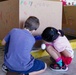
x: 38, y: 65
x: 66, y: 60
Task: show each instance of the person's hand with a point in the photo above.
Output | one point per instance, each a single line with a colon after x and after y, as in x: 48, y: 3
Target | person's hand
x: 3, y: 42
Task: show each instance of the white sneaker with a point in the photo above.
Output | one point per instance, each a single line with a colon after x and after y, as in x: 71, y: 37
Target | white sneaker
x: 4, y: 68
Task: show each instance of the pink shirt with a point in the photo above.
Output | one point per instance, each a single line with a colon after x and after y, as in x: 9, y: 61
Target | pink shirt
x: 61, y: 44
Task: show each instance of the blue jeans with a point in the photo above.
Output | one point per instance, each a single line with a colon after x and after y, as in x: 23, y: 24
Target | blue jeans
x: 37, y: 66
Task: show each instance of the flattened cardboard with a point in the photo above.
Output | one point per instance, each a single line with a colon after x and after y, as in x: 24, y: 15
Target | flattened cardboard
x: 48, y: 12
x: 9, y: 16
x: 69, y: 20
x: 13, y: 13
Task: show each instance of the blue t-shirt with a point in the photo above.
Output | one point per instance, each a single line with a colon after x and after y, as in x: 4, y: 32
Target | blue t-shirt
x: 20, y: 45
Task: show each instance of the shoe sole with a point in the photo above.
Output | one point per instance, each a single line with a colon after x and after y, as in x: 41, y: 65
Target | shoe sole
x: 60, y: 70
x: 4, y: 70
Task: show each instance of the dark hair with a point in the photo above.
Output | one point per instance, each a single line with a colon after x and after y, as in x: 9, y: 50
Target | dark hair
x: 32, y: 23
x: 50, y: 34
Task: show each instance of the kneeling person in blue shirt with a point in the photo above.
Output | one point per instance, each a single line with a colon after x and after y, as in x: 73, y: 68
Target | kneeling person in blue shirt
x: 18, y: 45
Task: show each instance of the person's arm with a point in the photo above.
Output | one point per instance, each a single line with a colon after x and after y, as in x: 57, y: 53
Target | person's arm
x: 6, y: 38
x: 3, y: 42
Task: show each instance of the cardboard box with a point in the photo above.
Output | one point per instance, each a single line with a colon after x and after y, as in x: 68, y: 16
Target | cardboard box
x: 9, y: 16
x: 53, y: 0
x: 2, y: 0
x: 13, y: 13
x: 69, y: 20
x: 48, y: 12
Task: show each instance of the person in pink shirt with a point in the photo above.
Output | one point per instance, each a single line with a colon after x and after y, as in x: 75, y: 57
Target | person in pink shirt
x: 58, y: 47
